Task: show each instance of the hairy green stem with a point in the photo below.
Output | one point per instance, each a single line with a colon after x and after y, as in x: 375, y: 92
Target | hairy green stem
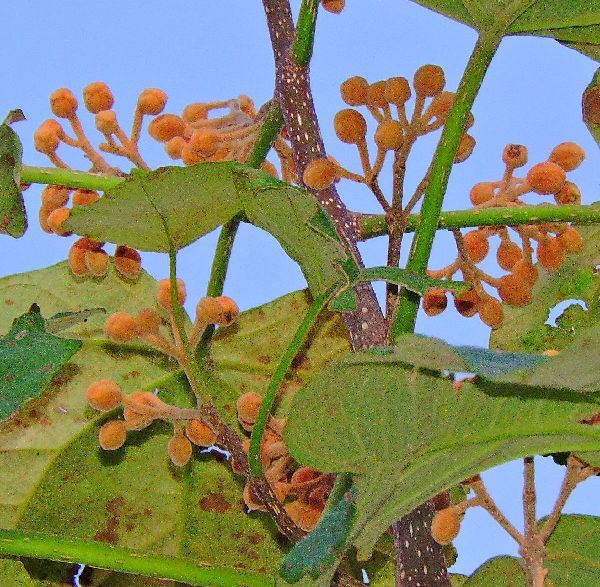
x: 373, y: 225
x: 270, y: 128
x: 69, y: 178
x: 116, y: 558
x: 304, y: 40
x: 408, y: 302
x: 283, y: 367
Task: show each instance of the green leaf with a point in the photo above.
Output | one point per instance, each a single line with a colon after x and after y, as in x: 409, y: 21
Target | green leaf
x: 317, y: 553
x: 57, y: 480
x: 15, y: 572
x: 174, y: 206
x: 13, y: 220
x: 410, y: 280
x: 500, y: 571
x: 30, y: 357
x: 573, y: 557
x: 575, y: 23
x: 591, y: 106
x: 344, y: 301
x: 406, y: 435
x: 245, y: 355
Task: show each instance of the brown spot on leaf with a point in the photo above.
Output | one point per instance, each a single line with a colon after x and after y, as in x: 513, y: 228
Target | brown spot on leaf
x: 8, y: 302
x: 255, y: 538
x: 47, y: 368
x: 214, y: 502
x: 264, y: 359
x: 252, y: 554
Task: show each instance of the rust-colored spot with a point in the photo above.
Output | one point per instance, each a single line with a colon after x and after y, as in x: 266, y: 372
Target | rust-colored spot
x: 47, y: 368
x: 214, y: 502
x: 592, y: 420
x: 21, y: 335
x: 135, y: 373
x: 9, y: 377
x: 110, y: 534
x: 264, y: 359
x: 237, y: 535
x: 255, y: 538
x: 253, y: 555
x: 8, y: 302
x: 228, y: 407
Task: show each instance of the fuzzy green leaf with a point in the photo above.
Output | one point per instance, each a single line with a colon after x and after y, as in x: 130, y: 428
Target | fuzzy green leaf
x: 407, y: 435
x: 575, y: 23
x: 57, y: 480
x: 410, y: 280
x: 173, y: 206
x: 500, y: 571
x: 15, y: 573
x: 13, y: 219
x: 591, y: 106
x: 30, y: 357
x: 574, y: 551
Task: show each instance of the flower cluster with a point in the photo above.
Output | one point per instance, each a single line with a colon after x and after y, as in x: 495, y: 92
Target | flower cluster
x: 386, y: 102
x: 549, y: 241
x: 303, y: 490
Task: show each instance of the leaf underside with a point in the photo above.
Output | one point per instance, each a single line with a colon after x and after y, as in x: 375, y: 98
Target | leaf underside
x: 575, y: 23
x: 13, y: 220
x: 171, y: 207
x: 408, y: 434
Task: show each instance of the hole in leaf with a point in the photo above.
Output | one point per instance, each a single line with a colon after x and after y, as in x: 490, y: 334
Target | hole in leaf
x: 365, y: 577
x: 558, y: 309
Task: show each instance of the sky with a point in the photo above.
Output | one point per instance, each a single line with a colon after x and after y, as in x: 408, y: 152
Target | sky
x: 207, y: 50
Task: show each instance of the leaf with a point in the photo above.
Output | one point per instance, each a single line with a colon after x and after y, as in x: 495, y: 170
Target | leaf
x: 410, y: 280
x: 56, y: 479
x: 174, y: 206
x: 590, y: 106
x: 13, y: 220
x: 317, y: 553
x: 19, y: 577
x: 500, y: 571
x: 575, y: 23
x: 245, y: 355
x: 574, y: 552
x: 30, y: 358
x: 406, y: 435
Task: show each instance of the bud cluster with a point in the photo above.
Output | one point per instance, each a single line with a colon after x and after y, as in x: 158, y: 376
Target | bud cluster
x: 386, y: 102
x: 142, y: 408
x: 303, y: 490
x: 550, y: 242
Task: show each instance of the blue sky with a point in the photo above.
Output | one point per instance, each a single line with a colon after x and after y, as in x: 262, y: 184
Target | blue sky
x: 212, y: 50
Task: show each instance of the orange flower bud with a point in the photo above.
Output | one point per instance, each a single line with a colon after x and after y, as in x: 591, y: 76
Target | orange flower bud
x: 514, y: 291
x: 376, y: 95
x: 333, y: 6
x: 152, y: 101
x: 389, y: 135
x: 121, y: 327
x: 508, y: 254
x: 248, y: 405
x: 47, y: 137
x: 476, y: 245
x: 97, y: 262
x: 550, y: 254
x: 445, y: 525
x: 179, y: 449
x: 350, y: 126
x: 319, y: 174
x: 567, y: 155
x: 546, y: 178
x: 434, y: 301
x: 466, y: 303
x: 104, y: 395
x: 148, y: 321
x: 163, y: 293
x: 55, y: 196
x: 194, y: 112
x: 568, y: 194
x: 97, y: 96
x: 106, y: 122
x: 112, y: 435
x: 490, y: 312
x: 199, y: 433
x: 63, y: 103
x: 515, y: 156
x: 525, y: 271
x: 55, y: 220
x: 397, y: 90
x: 76, y: 261
x: 128, y: 262
x: 174, y: 147
x: 165, y: 127
x: 465, y: 148
x: 482, y: 192
x: 429, y: 80
x: 441, y: 105
x: 354, y: 91
x: 190, y: 156
x: 205, y: 141
x: 570, y: 240
x: 85, y: 197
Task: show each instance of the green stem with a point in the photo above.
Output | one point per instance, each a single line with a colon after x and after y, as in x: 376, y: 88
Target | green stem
x: 194, y: 373
x: 373, y: 225
x: 269, y: 130
x: 69, y: 178
x: 304, y: 40
x: 116, y: 558
x: 278, y: 376
x: 408, y: 303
